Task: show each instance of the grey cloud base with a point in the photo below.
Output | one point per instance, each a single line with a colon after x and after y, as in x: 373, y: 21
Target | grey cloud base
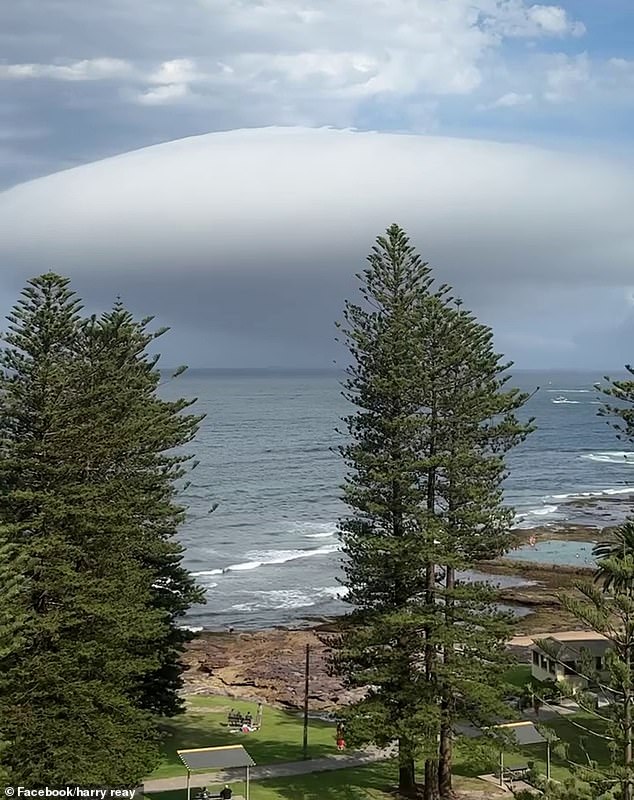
x: 255, y: 235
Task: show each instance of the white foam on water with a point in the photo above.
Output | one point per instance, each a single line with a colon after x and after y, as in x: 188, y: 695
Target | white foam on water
x: 277, y: 600
x: 271, y: 557
x: 206, y: 573
x: 335, y: 592
x: 542, y: 512
x: 598, y: 493
x: 285, y: 599
x: 528, y: 517
x: 242, y: 567
x: 611, y: 457
x: 315, y: 530
x: 191, y: 628
x: 570, y: 391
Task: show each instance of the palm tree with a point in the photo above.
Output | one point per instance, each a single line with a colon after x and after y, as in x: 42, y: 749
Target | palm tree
x: 620, y: 547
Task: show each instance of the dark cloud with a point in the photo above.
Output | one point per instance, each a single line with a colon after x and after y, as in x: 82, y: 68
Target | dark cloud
x: 253, y: 237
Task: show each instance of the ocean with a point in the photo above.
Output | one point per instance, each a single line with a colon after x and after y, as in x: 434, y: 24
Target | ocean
x: 268, y: 555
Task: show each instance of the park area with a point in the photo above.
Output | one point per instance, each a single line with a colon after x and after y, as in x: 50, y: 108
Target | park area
x: 283, y: 774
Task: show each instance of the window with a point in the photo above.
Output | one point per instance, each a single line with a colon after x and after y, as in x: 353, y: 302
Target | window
x: 570, y: 668
x: 551, y: 666
x: 598, y: 662
x: 544, y: 662
x: 535, y: 658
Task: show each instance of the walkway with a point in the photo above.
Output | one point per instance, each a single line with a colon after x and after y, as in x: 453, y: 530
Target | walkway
x: 260, y: 773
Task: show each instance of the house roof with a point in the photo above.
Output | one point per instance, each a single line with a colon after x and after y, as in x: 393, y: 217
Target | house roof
x: 524, y: 732
x: 577, y: 636
x: 215, y: 758
x: 569, y: 646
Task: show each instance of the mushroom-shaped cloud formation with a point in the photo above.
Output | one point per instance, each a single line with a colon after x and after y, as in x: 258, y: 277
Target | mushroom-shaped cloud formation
x: 260, y: 231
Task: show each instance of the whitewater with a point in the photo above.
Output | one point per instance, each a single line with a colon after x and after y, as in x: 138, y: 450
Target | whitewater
x: 269, y: 554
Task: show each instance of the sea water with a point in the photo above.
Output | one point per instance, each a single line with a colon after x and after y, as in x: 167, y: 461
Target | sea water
x: 269, y: 554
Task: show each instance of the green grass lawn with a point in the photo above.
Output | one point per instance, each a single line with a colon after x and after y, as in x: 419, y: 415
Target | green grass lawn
x: 205, y: 725
x: 581, y: 744
x: 362, y: 783
x: 280, y: 740
x: 349, y: 784
x: 519, y: 676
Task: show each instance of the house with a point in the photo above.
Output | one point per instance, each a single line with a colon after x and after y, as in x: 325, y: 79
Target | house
x: 565, y: 655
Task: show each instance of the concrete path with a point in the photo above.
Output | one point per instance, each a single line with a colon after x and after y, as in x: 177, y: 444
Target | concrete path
x: 283, y: 770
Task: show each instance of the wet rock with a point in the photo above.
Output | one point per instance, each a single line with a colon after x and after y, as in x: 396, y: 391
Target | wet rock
x: 266, y: 666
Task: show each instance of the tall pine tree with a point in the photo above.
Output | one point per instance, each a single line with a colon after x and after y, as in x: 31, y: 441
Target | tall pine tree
x: 142, y: 461
x: 86, y: 530
x: 426, y: 459
x: 475, y: 425
x: 387, y: 541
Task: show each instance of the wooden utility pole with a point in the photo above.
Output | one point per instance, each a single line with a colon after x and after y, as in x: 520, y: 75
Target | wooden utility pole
x: 306, y: 688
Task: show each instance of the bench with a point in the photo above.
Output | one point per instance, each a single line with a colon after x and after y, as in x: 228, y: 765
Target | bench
x: 515, y: 773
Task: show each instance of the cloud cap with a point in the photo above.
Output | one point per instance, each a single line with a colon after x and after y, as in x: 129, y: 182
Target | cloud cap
x: 297, y: 199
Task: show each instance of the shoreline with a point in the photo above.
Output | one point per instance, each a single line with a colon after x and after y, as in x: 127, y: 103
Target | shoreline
x: 268, y: 664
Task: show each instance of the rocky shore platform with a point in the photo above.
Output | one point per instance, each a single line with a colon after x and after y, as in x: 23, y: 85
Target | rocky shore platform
x: 266, y: 666
x: 269, y: 665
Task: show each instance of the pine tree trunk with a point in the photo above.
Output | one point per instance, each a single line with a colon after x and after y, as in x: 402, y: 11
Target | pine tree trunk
x: 406, y: 770
x: 431, y: 779
x: 446, y: 732
x: 628, y: 789
x: 431, y: 765
x: 445, y: 753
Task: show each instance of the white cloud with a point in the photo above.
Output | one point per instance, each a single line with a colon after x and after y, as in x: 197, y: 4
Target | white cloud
x: 622, y: 65
x: 510, y: 100
x: 177, y: 71
x: 163, y: 95
x: 619, y: 75
x: 170, y: 83
x: 568, y: 75
x: 279, y: 49
x: 283, y: 200
x: 520, y: 19
x: 255, y: 235
x: 87, y: 70
x: 554, y: 20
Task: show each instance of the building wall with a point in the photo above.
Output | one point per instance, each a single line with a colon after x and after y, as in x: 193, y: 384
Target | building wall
x: 549, y: 670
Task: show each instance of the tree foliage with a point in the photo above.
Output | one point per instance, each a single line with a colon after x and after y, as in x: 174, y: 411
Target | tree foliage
x: 87, y: 516
x: 425, y: 458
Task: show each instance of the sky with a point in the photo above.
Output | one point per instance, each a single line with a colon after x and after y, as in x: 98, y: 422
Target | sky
x: 227, y: 164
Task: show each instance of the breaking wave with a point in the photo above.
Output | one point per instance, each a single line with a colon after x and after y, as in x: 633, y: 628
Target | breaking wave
x: 315, y: 530
x: 599, y: 493
x: 284, y: 599
x: 611, y: 457
x: 271, y: 557
x: 527, y: 518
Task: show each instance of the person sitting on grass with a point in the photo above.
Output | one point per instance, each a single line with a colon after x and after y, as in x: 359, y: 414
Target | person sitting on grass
x: 226, y: 793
